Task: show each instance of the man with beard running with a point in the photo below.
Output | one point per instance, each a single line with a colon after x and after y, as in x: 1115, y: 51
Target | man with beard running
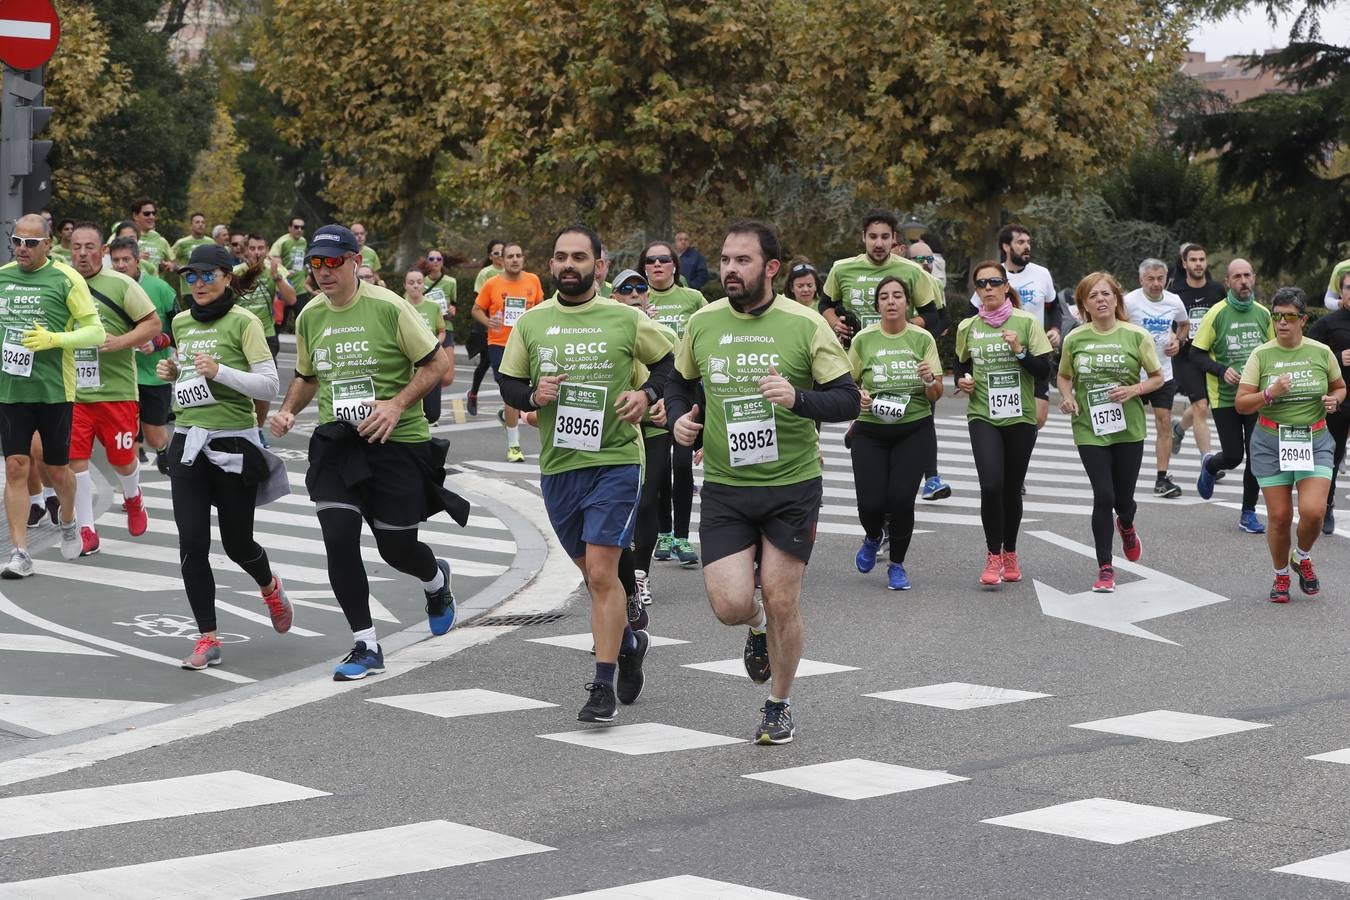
x: 1198, y: 293
x: 575, y: 359
x: 770, y: 369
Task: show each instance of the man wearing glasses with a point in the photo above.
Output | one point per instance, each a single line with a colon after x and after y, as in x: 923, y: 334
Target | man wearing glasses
x: 499, y: 306
x: 289, y: 250
x: 370, y: 359
x: 39, y: 299
x: 156, y: 258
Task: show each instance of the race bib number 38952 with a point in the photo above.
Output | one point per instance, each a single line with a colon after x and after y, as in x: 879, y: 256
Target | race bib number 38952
x: 752, y: 432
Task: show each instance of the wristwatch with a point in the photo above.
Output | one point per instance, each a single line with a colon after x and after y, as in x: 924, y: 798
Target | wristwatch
x: 651, y: 395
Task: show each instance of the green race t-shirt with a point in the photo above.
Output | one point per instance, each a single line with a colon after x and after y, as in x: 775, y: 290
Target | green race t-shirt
x: 483, y: 275
x: 1098, y: 361
x: 258, y: 300
x: 235, y: 340
x: 673, y: 307
x: 1313, y: 367
x: 102, y: 377
x: 854, y: 281
x: 370, y: 258
x: 1333, y: 286
x: 166, y: 304
x: 640, y: 376
x: 748, y: 441
x: 153, y: 242
x: 1230, y: 337
x: 56, y: 296
x: 60, y: 254
x: 887, y: 367
x: 362, y: 352
x: 430, y: 313
x: 1005, y: 393
x: 598, y: 344
x: 291, y: 252
x: 181, y: 251
x: 443, y: 292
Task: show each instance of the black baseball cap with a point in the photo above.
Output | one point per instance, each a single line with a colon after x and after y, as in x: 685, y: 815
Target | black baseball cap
x: 208, y: 258
x: 332, y: 241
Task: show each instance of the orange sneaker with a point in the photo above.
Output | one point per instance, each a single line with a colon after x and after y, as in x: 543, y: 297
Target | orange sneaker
x: 993, y: 569
x: 1012, y: 570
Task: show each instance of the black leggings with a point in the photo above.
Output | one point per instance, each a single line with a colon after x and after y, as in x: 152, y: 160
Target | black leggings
x: 658, y: 472
x: 1338, y: 426
x: 480, y: 371
x: 1002, y: 454
x: 1113, y: 471
x: 677, y: 493
x: 202, y: 486
x: 888, y: 466
x: 1235, y: 436
x: 399, y: 547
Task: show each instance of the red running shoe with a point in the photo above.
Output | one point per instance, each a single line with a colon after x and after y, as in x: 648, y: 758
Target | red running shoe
x: 1279, y: 591
x: 1012, y: 570
x: 137, y: 520
x: 993, y: 569
x: 88, y: 541
x: 1106, y: 581
x: 1129, y: 541
x: 279, y: 608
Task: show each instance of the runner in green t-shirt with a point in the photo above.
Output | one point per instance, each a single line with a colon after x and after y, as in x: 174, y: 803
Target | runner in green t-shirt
x: 1001, y: 352
x: 770, y: 370
x: 1230, y: 331
x: 46, y: 314
x: 672, y: 304
x: 1099, y: 380
x: 259, y: 282
x: 216, y: 457
x: 289, y: 251
x: 154, y: 396
x: 897, y: 365
x: 573, y: 359
x: 1338, y: 273
x: 106, y: 394
x: 852, y: 282
x: 414, y: 291
x: 1291, y: 384
x: 155, y: 252
x: 370, y: 359
x: 181, y: 251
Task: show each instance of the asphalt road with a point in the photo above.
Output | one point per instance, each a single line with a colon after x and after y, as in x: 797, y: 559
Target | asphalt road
x: 507, y: 804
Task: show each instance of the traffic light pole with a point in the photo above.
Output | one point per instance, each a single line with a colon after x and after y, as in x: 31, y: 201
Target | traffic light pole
x: 25, y: 176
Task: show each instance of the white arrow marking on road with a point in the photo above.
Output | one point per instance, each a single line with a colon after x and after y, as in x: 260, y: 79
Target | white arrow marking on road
x: 18, y: 28
x: 1158, y: 595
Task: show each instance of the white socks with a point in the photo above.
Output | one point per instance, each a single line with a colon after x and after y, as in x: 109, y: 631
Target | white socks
x: 367, y: 635
x: 131, y: 484
x: 762, y: 624
x: 513, y: 436
x: 48, y: 492
x: 434, y: 584
x: 84, y: 499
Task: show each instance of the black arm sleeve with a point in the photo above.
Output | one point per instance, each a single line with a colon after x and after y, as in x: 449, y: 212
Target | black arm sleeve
x: 680, y: 393
x: 960, y: 369
x: 1037, y: 367
x: 1202, y: 359
x: 834, y: 401
x: 934, y: 318
x: 1054, y: 314
x: 660, y: 372
x: 516, y: 392
x: 826, y: 303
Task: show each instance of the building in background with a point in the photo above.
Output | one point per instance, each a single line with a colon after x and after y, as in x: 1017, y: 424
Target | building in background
x: 1233, y: 76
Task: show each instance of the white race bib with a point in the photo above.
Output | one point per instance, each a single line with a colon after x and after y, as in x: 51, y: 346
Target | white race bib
x: 512, y: 311
x: 18, y: 358
x: 752, y: 432
x: 581, y: 417
x: 192, y: 390
x: 891, y: 409
x: 1296, y: 448
x: 1107, y: 417
x: 352, y: 399
x: 437, y: 296
x: 1005, y: 395
x: 86, y: 368
x: 297, y: 259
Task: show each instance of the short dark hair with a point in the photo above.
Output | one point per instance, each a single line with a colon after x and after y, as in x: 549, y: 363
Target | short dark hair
x: 124, y: 243
x: 291, y: 220
x: 1010, y: 231
x: 253, y: 237
x: 91, y: 226
x: 126, y: 223
x: 507, y: 245
x: 578, y: 228
x: 768, y: 241
x: 1191, y: 248
x: 63, y: 223
x: 884, y: 216
x: 203, y: 215
x: 1291, y: 296
x: 142, y: 201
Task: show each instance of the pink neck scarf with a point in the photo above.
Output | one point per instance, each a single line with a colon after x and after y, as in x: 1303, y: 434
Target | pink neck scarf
x: 997, y: 316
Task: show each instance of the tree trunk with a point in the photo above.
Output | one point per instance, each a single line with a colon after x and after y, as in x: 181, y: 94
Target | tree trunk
x: 988, y: 233
x: 409, y: 247
x: 656, y: 210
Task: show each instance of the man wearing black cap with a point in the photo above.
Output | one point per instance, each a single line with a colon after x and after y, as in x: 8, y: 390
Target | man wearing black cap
x: 367, y: 355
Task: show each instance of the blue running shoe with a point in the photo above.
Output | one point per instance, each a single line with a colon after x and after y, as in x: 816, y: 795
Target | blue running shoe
x: 441, y: 604
x: 896, y: 579
x: 1204, y: 485
x: 936, y: 489
x: 1249, y: 523
x: 362, y: 661
x: 866, y: 560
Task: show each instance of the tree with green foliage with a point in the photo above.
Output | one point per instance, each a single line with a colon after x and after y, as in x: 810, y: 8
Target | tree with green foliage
x: 217, y: 187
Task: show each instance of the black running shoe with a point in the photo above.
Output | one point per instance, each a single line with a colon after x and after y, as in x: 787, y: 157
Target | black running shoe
x: 601, y: 706
x: 638, y: 619
x: 53, y: 508
x: 471, y: 403
x: 1166, y: 487
x: 757, y: 657
x: 630, y: 680
x: 1307, y: 577
x: 776, y: 727
x: 35, y: 513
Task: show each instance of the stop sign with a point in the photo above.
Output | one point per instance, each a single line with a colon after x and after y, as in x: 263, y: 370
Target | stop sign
x: 29, y: 31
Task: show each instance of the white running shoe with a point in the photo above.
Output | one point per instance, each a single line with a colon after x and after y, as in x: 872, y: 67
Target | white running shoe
x: 20, y: 565
x: 72, y: 545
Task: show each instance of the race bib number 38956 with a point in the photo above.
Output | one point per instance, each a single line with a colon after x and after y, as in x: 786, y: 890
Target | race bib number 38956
x: 581, y: 417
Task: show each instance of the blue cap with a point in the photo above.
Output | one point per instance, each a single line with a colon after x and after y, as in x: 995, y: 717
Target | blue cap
x: 332, y: 240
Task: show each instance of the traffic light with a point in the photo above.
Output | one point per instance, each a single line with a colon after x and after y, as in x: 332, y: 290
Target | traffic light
x: 25, y: 172
x: 37, y: 186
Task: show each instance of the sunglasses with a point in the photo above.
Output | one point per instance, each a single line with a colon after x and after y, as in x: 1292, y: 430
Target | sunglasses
x: 30, y: 243
x: 298, y: 227
x: 663, y: 260
x: 922, y: 259
x: 495, y: 253
x: 435, y: 259
x: 150, y: 214
x: 203, y: 277
x: 802, y: 270
x: 327, y: 262
x: 990, y: 282
x: 1286, y: 317
x: 632, y: 288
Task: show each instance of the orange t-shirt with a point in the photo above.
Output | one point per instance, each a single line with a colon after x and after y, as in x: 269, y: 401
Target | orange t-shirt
x: 511, y: 299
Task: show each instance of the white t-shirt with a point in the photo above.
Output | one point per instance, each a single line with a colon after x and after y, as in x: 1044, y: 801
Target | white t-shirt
x: 1157, y: 317
x: 1034, y: 285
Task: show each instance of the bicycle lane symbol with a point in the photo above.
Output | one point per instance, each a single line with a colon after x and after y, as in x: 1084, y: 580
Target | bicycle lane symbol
x: 171, y: 625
